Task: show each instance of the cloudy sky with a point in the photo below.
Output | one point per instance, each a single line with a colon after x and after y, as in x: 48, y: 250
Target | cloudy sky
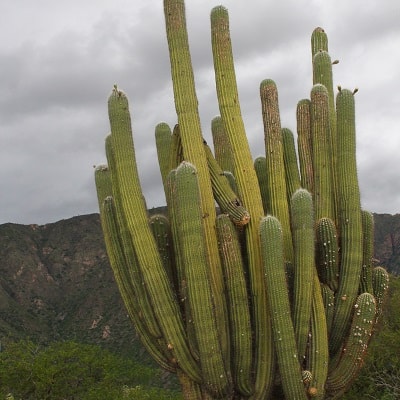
x: 60, y: 59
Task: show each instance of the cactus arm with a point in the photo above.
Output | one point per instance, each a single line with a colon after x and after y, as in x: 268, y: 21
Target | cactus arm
x: 319, y: 351
x: 277, y: 193
x: 282, y: 326
x: 304, y: 144
x: 354, y: 350
x: 186, y: 106
x: 155, y: 277
x: 223, y: 193
x: 292, y: 175
x: 157, y: 347
x: 163, y: 145
x: 324, y: 199
x: 260, y: 165
x: 303, y: 242
x: 350, y: 219
x: 327, y: 252
x: 328, y: 298
x: 198, y: 280
x: 237, y: 295
x: 248, y: 192
x: 368, y: 247
x: 380, y: 283
x: 319, y: 41
x: 222, y: 147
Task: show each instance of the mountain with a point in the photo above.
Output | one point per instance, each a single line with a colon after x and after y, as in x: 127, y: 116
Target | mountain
x: 56, y: 282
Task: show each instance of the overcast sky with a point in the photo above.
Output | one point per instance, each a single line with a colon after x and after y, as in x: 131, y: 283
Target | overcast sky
x: 60, y: 59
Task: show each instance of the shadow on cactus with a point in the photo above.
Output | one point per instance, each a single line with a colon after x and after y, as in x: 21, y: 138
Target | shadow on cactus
x: 275, y: 297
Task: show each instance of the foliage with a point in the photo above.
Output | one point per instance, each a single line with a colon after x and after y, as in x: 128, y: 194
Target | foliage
x: 380, y: 379
x: 68, y: 370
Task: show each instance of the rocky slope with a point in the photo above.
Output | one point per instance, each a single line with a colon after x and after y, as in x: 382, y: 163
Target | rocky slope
x: 56, y: 282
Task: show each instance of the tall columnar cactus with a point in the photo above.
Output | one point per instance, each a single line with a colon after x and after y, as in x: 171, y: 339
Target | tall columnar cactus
x: 274, y: 295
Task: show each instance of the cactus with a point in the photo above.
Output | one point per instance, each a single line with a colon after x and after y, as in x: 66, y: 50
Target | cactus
x: 272, y: 294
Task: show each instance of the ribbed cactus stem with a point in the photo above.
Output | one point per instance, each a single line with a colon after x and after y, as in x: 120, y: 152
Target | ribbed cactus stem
x: 368, y: 248
x: 163, y: 143
x: 319, y: 41
x: 302, y: 215
x: 197, y: 275
x: 324, y: 195
x: 304, y: 144
x: 222, y: 146
x: 277, y: 193
x: 351, y: 242
x: 248, y: 192
x: 155, y: 278
x: 236, y: 288
x: 278, y: 298
x: 290, y: 160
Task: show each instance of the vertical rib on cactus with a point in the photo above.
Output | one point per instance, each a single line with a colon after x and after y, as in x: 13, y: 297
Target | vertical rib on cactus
x: 241, y: 335
x: 324, y: 195
x: 368, y: 248
x: 355, y: 348
x: 249, y: 193
x: 350, y: 219
x: 163, y: 144
x: 278, y: 298
x: 304, y: 144
x: 290, y: 160
x: 260, y: 166
x: 319, y: 41
x: 197, y: 277
x: 277, y: 193
x: 302, y: 215
x: 222, y: 147
x: 186, y: 105
x: 135, y: 213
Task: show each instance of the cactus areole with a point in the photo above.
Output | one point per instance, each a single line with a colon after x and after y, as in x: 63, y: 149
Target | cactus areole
x: 272, y: 294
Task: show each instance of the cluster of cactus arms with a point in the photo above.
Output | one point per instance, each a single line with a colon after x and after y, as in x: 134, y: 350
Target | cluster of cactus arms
x: 272, y: 294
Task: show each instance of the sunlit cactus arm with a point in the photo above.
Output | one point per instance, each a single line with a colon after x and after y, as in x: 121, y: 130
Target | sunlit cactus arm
x: 222, y: 146
x: 186, y: 106
x: 304, y: 144
x: 328, y: 297
x: 350, y: 229
x: 157, y: 347
x: 134, y: 272
x: 327, y: 252
x: 302, y: 216
x: 197, y: 275
x: 290, y: 160
x: 354, y: 351
x: 249, y: 193
x: 130, y: 197
x: 277, y: 193
x: 278, y: 298
x: 236, y: 287
x: 368, y: 248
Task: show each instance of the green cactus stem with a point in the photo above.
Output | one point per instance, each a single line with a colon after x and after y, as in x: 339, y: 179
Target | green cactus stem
x: 368, y: 248
x: 278, y: 298
x: 292, y: 175
x: 197, y: 277
x: 237, y: 295
x: 351, y: 242
x: 304, y: 144
x: 249, y: 193
x: 354, y: 350
x: 222, y: 147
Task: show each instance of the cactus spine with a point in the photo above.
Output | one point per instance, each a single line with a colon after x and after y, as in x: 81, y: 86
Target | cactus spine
x: 267, y: 299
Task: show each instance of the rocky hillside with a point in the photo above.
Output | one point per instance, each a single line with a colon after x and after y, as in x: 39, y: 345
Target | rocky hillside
x: 56, y: 283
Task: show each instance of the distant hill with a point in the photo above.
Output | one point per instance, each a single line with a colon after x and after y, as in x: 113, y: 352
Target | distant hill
x: 56, y: 282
